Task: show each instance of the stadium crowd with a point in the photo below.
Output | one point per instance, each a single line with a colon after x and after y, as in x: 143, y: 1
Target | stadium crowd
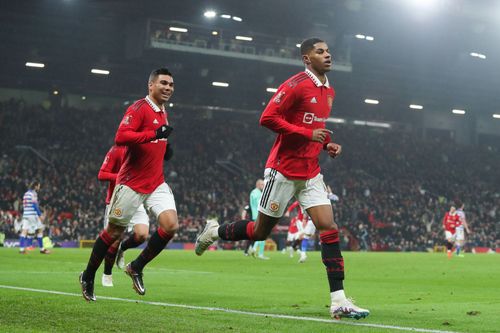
x: 394, y: 188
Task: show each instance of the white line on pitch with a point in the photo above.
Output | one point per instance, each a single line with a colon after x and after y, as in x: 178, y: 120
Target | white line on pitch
x: 150, y: 270
x: 258, y: 314
x: 180, y: 271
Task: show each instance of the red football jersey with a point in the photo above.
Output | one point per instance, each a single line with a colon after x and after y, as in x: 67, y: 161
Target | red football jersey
x: 110, y: 167
x: 450, y: 222
x: 142, y: 168
x: 301, y: 105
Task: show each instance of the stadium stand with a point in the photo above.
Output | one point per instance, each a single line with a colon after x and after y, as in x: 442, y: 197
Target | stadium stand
x: 393, y: 188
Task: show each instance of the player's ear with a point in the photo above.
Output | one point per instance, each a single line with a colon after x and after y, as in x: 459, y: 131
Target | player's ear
x: 305, y: 59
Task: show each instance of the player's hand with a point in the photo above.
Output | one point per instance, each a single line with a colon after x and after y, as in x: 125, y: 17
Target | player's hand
x: 333, y: 149
x: 163, y: 132
x: 168, y: 153
x: 319, y: 134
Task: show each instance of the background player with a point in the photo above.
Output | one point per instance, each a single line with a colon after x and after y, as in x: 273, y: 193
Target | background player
x: 450, y: 221
x: 32, y: 218
x: 294, y: 228
x: 139, y: 224
x: 307, y: 232
x: 298, y: 112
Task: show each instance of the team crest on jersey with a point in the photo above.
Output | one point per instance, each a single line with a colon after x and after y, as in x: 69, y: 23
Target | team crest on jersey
x: 278, y: 97
x: 126, y: 120
x: 274, y: 206
x: 117, y: 212
x: 330, y: 100
x: 308, y: 118
x: 156, y: 122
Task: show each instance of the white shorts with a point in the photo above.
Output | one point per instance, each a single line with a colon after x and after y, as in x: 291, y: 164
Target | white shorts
x: 292, y: 237
x: 460, y: 234
x: 278, y: 190
x: 125, y: 202
x: 450, y: 237
x: 140, y: 217
x: 309, y: 229
x: 31, y: 223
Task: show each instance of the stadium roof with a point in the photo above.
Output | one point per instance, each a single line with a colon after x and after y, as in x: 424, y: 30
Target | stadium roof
x: 419, y: 52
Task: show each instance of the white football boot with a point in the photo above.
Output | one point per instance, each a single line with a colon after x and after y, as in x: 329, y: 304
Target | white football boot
x: 347, y: 309
x: 207, y: 237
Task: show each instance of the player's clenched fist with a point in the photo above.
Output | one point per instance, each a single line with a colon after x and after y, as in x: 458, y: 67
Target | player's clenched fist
x: 333, y: 149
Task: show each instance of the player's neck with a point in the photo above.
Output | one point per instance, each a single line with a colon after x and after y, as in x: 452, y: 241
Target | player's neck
x: 155, y: 101
x: 320, y: 76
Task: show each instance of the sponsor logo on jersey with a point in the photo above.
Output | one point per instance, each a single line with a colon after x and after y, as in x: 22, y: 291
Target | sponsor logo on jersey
x: 274, y: 206
x: 313, y: 100
x: 308, y: 118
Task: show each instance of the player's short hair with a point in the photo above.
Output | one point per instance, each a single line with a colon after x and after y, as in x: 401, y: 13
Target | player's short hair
x: 34, y: 184
x: 458, y: 203
x: 308, y: 44
x: 160, y: 71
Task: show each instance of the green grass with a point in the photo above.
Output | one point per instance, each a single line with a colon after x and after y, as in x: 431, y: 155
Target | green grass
x: 418, y: 290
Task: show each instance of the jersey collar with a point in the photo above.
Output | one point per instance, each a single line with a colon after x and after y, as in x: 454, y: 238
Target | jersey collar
x: 153, y: 105
x: 315, y: 79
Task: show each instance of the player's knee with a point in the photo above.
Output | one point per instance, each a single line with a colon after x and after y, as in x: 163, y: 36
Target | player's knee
x: 114, y: 231
x: 322, y: 227
x: 168, y: 221
x: 170, y: 228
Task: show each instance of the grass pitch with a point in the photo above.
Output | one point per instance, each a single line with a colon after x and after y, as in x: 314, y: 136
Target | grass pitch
x: 402, y: 290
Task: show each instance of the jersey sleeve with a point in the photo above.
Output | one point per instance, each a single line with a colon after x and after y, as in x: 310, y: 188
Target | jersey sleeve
x: 128, y: 132
x: 292, y: 206
x: 108, y: 165
x: 273, y: 116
